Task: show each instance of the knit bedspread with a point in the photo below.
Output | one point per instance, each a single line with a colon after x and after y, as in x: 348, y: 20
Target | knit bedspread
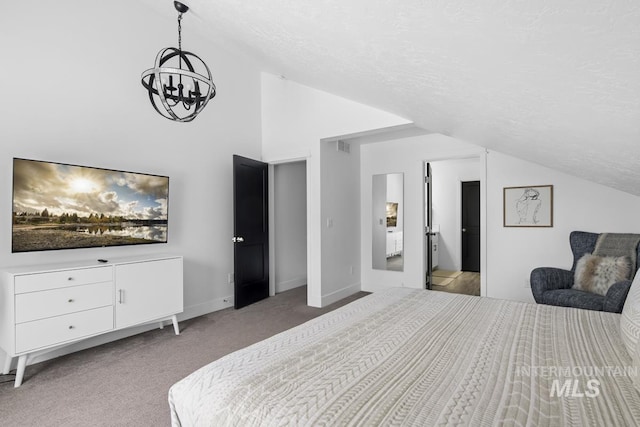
x: 417, y: 357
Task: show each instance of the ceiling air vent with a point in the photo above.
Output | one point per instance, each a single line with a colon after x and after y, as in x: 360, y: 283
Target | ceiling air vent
x: 343, y: 146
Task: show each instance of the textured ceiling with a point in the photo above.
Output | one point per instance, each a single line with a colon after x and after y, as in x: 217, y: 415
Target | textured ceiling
x: 556, y: 82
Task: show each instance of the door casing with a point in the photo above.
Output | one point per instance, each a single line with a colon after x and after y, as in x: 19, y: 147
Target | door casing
x: 482, y: 156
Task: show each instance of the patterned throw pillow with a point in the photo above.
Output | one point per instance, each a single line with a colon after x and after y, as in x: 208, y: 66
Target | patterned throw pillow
x: 596, y: 274
x: 630, y: 319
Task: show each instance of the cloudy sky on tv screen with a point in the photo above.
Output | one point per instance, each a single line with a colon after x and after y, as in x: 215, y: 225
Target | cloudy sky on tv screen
x: 58, y: 206
x: 67, y: 189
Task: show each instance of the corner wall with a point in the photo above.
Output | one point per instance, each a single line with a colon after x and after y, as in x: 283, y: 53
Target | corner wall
x: 340, y: 213
x: 295, y: 119
x: 290, y: 222
x: 405, y: 156
x: 511, y: 253
x: 89, y: 108
x: 577, y: 205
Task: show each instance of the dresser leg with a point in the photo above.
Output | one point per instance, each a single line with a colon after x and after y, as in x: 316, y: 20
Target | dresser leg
x: 174, y: 320
x: 7, y: 365
x: 162, y: 324
x: 22, y: 363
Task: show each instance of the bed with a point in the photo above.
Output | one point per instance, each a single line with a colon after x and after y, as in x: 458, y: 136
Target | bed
x: 417, y: 357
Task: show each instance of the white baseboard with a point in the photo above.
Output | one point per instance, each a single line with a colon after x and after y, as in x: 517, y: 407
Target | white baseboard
x: 188, y: 313
x: 340, y: 294
x: 206, y: 308
x: 369, y: 287
x: 291, y: 284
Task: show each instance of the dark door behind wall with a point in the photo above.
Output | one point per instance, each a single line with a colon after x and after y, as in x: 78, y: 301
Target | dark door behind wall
x: 471, y: 226
x: 251, y: 231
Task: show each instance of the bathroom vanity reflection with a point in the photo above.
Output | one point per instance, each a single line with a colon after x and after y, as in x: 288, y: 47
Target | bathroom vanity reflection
x: 387, y: 221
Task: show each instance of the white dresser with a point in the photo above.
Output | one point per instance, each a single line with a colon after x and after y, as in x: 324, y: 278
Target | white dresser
x: 48, y: 306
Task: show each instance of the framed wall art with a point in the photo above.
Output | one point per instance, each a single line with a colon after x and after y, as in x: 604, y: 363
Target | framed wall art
x: 529, y: 206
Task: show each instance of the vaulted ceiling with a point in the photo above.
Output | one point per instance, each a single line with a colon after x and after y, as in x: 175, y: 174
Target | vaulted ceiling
x: 556, y: 82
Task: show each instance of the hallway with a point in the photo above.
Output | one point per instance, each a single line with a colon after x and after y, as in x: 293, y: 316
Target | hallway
x: 467, y: 283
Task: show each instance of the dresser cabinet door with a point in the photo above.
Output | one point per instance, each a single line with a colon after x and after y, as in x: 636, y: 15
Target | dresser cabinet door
x: 147, y: 291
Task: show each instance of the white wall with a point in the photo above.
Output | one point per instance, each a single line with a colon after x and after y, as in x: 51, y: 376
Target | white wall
x: 405, y: 156
x: 446, y: 206
x: 577, y: 205
x: 295, y: 118
x: 340, y: 212
x: 72, y: 84
x: 290, y: 221
x: 511, y: 253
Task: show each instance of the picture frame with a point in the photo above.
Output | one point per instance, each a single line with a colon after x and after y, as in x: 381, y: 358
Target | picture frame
x: 392, y: 214
x: 528, y: 206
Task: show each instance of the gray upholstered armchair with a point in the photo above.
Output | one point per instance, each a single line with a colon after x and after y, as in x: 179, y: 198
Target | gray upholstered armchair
x: 553, y: 285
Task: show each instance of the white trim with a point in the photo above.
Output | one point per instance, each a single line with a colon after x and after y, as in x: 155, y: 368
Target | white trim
x: 271, y: 208
x: 340, y: 294
x: 405, y: 130
x: 291, y: 284
x: 302, y: 157
x: 273, y: 286
x: 483, y: 223
x: 482, y: 156
x: 457, y: 155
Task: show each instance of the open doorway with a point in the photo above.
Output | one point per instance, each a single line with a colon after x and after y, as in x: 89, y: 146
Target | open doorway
x: 453, y: 205
x: 289, y: 225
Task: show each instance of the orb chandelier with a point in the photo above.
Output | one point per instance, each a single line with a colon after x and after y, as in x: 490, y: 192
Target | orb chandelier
x: 180, y: 83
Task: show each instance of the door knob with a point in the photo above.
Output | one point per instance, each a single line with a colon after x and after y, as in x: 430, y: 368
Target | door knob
x: 237, y: 240
x: 464, y: 229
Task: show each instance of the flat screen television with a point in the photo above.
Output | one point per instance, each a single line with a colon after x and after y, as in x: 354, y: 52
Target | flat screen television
x: 63, y: 206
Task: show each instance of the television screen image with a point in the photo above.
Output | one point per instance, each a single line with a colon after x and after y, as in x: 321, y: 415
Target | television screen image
x: 62, y: 206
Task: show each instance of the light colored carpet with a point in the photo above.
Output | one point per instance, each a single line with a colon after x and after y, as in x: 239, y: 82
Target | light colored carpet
x: 125, y: 383
x: 447, y: 273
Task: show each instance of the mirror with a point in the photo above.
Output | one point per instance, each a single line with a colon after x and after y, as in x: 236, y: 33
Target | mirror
x: 387, y: 221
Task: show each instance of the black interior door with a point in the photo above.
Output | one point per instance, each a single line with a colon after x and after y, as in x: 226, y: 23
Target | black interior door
x: 471, y: 226
x: 251, y: 231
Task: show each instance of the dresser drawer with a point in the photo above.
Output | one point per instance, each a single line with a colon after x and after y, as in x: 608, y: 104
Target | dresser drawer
x: 57, y: 330
x: 56, y: 302
x: 60, y: 279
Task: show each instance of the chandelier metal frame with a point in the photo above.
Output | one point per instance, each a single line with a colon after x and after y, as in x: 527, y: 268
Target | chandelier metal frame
x: 185, y: 98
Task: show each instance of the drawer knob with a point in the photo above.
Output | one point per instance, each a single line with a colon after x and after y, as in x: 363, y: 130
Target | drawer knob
x: 70, y: 300
x: 71, y: 326
x: 69, y: 278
